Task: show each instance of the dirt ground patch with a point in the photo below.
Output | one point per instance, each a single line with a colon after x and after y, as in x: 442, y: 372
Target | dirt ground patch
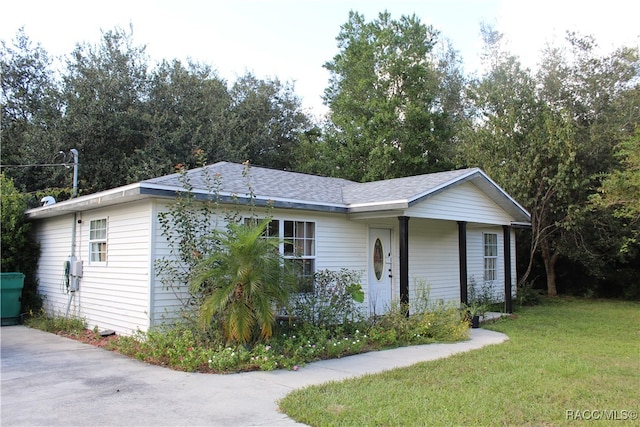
x: 89, y: 336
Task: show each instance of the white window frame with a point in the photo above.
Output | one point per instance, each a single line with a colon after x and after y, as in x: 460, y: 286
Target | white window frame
x: 299, y: 247
x: 490, y: 257
x: 98, y: 241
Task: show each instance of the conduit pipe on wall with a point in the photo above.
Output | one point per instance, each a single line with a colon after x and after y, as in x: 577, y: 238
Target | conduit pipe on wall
x: 72, y: 257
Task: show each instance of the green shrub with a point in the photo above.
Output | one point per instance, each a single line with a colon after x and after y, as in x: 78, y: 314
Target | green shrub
x: 440, y: 322
x: 188, y: 225
x: 187, y: 347
x: 58, y: 324
x: 245, y: 283
x: 19, y: 250
x: 335, y: 299
x: 527, y: 295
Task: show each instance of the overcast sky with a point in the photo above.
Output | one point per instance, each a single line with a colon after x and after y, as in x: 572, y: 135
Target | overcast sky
x: 292, y: 39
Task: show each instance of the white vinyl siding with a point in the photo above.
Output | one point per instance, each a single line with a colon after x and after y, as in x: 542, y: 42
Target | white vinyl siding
x: 167, y: 299
x: 113, y: 295
x: 54, y: 236
x: 464, y: 202
x: 339, y: 243
x: 434, y: 259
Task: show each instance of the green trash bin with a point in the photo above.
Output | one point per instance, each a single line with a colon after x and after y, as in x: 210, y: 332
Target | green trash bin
x: 11, y: 285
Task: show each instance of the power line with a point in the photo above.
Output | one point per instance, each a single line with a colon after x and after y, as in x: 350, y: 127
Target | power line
x: 68, y: 165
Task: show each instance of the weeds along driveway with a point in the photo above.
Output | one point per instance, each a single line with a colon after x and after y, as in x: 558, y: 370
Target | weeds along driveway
x: 51, y: 380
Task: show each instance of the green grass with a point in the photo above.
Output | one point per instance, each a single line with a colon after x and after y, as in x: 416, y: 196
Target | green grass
x: 58, y: 323
x: 565, y: 355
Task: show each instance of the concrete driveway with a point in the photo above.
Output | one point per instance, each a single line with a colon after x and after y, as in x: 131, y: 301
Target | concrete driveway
x: 54, y: 381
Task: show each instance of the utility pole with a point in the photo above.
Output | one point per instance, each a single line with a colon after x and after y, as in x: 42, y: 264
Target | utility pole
x: 75, y: 172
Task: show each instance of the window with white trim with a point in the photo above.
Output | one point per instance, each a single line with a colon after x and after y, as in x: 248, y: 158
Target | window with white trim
x: 300, y: 245
x: 98, y: 240
x: 297, y: 243
x: 490, y: 257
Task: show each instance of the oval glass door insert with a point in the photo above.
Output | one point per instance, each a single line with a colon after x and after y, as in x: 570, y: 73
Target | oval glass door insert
x: 378, y: 259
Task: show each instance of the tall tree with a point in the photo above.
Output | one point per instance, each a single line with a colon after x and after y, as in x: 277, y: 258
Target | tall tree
x: 619, y: 193
x: 386, y: 99
x: 526, y: 147
x: 547, y: 138
x: 30, y: 115
x: 104, y: 90
x: 191, y: 110
x: 621, y: 189
x: 187, y: 109
x: 599, y: 93
x: 265, y: 121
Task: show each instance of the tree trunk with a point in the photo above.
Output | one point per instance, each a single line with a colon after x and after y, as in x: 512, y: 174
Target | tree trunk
x: 550, y: 261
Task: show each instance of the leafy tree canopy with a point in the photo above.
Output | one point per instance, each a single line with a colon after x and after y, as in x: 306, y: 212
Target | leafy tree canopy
x: 131, y: 122
x: 621, y: 188
x: 547, y: 139
x: 20, y: 252
x: 387, y: 97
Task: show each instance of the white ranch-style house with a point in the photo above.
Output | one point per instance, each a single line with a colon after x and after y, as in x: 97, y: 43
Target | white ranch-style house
x: 442, y: 229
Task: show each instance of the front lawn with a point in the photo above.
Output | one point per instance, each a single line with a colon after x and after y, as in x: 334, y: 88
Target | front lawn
x: 566, y: 360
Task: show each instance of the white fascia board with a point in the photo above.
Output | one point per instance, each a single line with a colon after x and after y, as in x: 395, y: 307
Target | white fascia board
x: 506, y: 195
x: 378, y: 206
x: 90, y: 201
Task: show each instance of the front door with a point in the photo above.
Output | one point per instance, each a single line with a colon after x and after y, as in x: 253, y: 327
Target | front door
x: 379, y: 270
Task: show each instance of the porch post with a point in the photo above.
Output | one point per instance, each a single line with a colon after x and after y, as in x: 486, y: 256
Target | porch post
x: 507, y: 269
x: 462, y: 256
x: 404, y: 260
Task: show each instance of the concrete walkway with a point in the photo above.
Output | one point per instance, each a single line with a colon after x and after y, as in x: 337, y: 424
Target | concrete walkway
x: 54, y: 381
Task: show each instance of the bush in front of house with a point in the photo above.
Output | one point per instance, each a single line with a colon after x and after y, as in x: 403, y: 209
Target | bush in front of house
x: 334, y: 300
x: 441, y: 323
x: 70, y: 326
x: 19, y: 250
x: 186, y: 346
x: 304, y: 339
x: 244, y: 283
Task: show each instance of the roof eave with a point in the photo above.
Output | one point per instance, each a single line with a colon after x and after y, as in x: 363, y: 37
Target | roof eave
x: 521, y: 225
x: 384, y: 206
x: 146, y: 190
x: 91, y: 201
x: 246, y: 200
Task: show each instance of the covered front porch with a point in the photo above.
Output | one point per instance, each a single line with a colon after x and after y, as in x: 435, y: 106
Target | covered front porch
x: 409, y: 256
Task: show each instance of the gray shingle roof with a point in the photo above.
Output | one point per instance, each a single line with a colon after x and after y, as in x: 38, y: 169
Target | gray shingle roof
x: 408, y: 188
x: 276, y: 184
x: 295, y: 190
x: 266, y: 183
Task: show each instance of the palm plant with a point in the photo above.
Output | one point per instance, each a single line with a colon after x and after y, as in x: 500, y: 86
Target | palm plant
x: 245, y: 282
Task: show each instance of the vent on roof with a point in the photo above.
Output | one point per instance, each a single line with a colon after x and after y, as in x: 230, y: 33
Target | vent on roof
x: 48, y: 201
